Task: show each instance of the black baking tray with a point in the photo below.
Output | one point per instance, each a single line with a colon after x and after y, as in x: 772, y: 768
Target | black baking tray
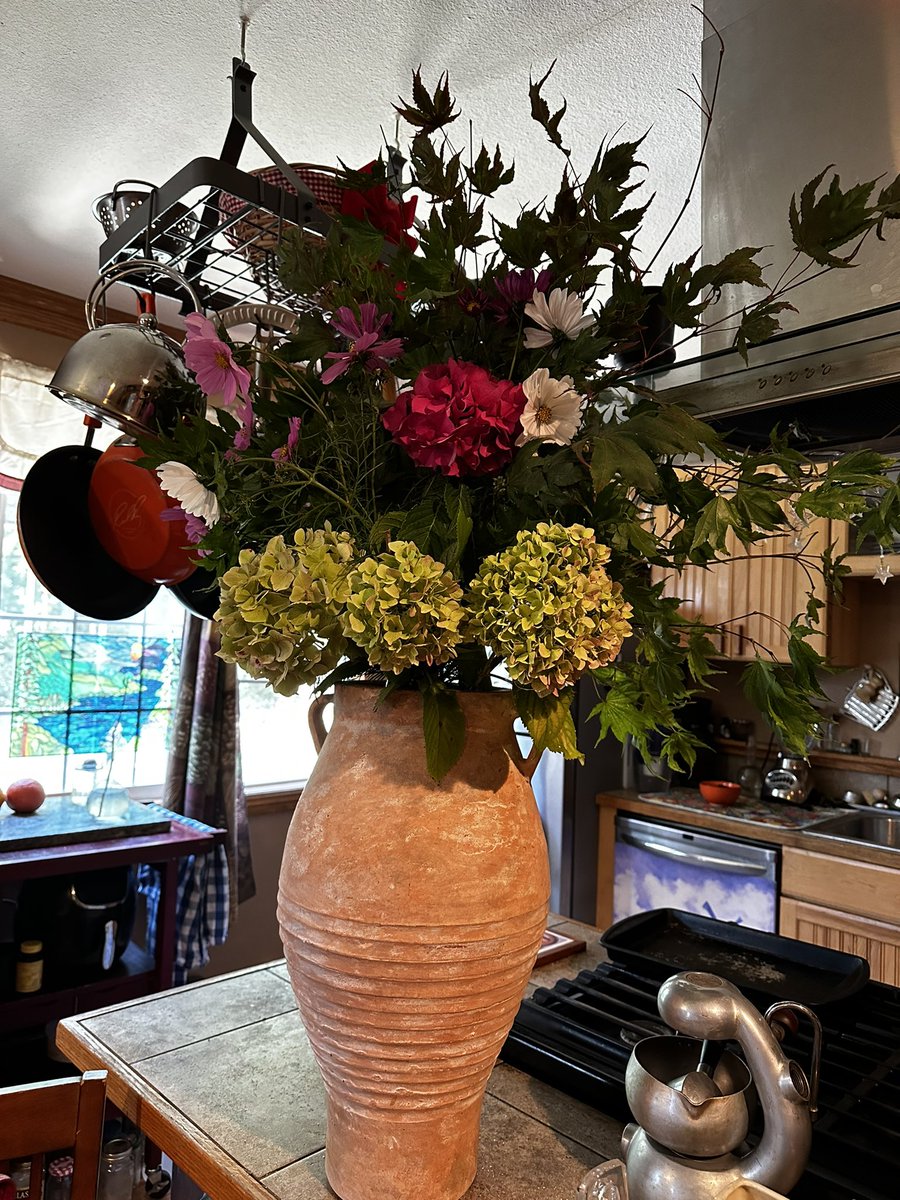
x: 666, y: 940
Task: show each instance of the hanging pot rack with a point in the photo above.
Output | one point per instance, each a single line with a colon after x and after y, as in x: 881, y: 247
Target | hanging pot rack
x: 221, y: 273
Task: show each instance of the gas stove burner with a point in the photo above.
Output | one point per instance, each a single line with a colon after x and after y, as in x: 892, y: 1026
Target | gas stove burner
x: 638, y: 1030
x: 578, y: 1037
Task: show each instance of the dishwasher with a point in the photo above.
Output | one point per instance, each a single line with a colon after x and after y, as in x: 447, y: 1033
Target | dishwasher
x: 663, y: 866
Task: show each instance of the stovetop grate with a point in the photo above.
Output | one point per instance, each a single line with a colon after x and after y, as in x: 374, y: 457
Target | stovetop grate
x: 578, y: 1036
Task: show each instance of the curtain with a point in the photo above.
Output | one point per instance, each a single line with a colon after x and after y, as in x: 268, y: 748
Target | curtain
x: 203, y: 783
x: 32, y: 417
x: 203, y: 779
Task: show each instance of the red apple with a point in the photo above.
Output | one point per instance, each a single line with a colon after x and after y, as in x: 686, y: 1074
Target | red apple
x: 25, y: 796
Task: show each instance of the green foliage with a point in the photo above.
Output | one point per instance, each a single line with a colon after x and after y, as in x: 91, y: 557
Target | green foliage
x: 549, y: 721
x: 428, y: 111
x: 508, y: 558
x: 444, y: 727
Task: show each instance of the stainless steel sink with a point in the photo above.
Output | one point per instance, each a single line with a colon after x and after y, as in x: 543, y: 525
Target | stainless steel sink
x: 877, y: 826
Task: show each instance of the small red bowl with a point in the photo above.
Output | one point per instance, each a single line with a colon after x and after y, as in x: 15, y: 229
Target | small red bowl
x: 719, y: 791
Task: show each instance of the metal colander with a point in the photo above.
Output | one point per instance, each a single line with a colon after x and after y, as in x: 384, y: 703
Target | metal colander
x: 177, y: 226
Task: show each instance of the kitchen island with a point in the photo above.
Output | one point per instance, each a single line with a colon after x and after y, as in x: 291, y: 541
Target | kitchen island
x: 834, y: 892
x: 220, y: 1075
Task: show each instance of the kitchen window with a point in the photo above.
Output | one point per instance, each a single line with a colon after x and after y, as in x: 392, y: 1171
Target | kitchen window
x: 75, y: 690
x: 71, y: 688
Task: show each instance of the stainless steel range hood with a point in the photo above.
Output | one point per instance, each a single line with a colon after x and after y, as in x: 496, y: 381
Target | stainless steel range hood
x: 804, y: 83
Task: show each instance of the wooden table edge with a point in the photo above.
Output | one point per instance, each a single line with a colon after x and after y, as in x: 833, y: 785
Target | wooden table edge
x: 201, y: 1158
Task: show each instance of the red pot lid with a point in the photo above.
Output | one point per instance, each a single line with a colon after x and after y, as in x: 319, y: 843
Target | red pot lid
x: 127, y: 507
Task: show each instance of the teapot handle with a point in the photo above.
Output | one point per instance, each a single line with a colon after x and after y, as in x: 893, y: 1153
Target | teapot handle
x: 135, y: 266
x: 316, y: 723
x: 778, y: 1021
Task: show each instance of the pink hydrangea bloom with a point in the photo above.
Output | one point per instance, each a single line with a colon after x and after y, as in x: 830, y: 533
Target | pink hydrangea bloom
x: 364, y: 334
x: 212, y: 362
x: 457, y: 419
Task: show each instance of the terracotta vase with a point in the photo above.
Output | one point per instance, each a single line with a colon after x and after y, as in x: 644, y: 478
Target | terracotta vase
x: 411, y: 913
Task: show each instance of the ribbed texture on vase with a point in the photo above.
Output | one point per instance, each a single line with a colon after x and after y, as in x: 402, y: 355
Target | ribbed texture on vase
x: 431, y: 1005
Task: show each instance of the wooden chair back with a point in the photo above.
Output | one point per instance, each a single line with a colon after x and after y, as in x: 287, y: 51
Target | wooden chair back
x: 40, y: 1117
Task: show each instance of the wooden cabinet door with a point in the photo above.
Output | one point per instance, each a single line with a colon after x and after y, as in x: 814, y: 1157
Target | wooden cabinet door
x: 759, y: 594
x: 876, y: 941
x: 778, y: 588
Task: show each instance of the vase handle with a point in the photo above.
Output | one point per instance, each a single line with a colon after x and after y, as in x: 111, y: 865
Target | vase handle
x: 528, y: 763
x: 316, y: 723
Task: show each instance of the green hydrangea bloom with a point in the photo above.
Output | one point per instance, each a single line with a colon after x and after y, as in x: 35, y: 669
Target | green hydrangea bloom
x: 403, y: 608
x: 279, y: 612
x: 548, y: 607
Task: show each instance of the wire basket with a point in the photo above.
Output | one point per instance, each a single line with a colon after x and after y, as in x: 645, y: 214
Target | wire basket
x: 257, y: 234
x: 231, y: 256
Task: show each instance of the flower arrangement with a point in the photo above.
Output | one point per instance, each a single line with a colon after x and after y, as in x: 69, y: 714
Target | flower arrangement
x: 442, y: 475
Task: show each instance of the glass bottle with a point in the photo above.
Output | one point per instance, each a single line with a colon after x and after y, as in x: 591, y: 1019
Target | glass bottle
x: 84, y: 780
x: 750, y: 777
x: 29, y: 967
x: 116, y: 1179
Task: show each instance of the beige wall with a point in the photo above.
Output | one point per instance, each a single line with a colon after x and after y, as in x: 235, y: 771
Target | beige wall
x: 29, y: 345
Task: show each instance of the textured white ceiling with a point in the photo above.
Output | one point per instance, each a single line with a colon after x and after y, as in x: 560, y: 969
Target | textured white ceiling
x: 94, y: 91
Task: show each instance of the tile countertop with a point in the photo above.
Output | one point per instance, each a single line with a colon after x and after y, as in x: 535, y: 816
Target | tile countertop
x: 221, y: 1073
x: 739, y: 821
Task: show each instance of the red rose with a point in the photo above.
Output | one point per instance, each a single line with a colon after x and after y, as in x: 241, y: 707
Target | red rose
x: 457, y: 419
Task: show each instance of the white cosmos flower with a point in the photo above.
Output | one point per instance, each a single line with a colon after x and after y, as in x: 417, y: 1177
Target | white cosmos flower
x: 180, y: 482
x: 553, y: 409
x: 561, y: 312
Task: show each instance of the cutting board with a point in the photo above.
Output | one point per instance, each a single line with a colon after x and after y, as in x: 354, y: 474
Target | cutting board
x: 59, y: 822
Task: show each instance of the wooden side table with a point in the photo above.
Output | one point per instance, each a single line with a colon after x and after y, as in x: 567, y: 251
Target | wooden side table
x: 137, y: 973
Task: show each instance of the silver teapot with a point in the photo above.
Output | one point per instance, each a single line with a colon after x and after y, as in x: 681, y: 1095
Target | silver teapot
x: 688, y: 1143
x: 124, y: 374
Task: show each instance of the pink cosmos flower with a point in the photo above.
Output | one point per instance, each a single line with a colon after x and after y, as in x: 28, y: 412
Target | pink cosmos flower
x: 242, y: 437
x: 364, y: 335
x: 283, y: 453
x: 457, y: 419
x: 212, y: 362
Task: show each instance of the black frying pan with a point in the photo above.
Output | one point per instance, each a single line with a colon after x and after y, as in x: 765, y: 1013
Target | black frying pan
x: 199, y: 593
x: 60, y: 545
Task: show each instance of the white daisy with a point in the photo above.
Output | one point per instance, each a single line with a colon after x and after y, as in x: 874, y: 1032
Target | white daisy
x: 180, y: 482
x: 553, y: 410
x: 563, y: 312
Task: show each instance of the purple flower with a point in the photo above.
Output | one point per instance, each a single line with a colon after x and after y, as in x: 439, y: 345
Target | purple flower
x: 474, y: 301
x: 518, y: 287
x: 364, y: 336
x: 195, y: 528
x: 283, y: 453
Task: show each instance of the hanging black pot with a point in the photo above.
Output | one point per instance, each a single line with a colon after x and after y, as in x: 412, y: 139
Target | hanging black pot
x: 652, y: 346
x: 199, y: 593
x: 60, y: 545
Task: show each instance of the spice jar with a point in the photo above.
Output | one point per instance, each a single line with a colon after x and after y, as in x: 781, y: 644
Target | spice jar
x: 20, y: 1173
x: 30, y: 967
x: 59, y: 1178
x: 116, y: 1170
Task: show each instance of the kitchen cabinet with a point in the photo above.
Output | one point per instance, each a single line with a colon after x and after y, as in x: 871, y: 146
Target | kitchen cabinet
x: 843, y: 904
x: 760, y: 591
